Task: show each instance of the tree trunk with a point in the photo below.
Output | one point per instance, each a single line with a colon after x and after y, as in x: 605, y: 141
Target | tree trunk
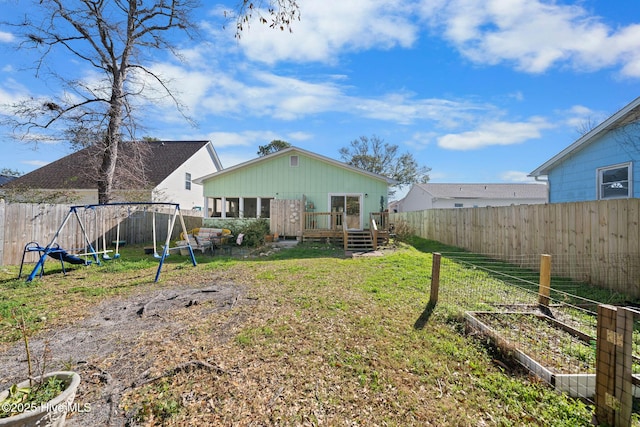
x: 111, y: 141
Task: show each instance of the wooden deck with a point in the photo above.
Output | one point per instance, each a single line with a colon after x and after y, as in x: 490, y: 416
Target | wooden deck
x: 330, y: 225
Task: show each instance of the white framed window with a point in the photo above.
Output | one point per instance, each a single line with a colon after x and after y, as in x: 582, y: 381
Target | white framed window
x: 265, y: 207
x: 614, y: 182
x: 187, y: 181
x: 293, y: 161
x: 458, y: 205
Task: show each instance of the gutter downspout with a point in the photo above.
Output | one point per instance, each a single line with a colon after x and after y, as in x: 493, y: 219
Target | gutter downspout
x: 546, y: 181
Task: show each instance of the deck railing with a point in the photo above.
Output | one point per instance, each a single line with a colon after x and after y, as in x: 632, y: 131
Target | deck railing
x: 333, y: 221
x: 323, y: 221
x: 373, y: 229
x: 381, y: 219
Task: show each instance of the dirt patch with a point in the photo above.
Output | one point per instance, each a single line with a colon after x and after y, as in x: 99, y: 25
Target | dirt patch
x: 108, y: 348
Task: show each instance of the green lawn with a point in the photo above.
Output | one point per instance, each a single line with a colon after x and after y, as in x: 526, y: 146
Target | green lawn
x: 316, y: 339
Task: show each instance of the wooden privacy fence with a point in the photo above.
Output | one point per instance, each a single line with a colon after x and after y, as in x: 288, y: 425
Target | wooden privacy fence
x: 594, y: 242
x: 21, y: 223
x: 286, y: 217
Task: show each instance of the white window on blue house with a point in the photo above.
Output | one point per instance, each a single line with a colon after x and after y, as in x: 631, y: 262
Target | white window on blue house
x: 614, y: 182
x: 187, y: 181
x: 293, y: 161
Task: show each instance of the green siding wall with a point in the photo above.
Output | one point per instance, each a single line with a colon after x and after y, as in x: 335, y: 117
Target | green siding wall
x: 312, y: 178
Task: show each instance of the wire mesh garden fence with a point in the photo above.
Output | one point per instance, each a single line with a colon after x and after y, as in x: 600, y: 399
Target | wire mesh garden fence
x: 547, y: 322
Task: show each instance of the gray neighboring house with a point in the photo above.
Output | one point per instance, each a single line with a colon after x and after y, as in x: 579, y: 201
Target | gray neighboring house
x: 444, y: 196
x: 170, y: 168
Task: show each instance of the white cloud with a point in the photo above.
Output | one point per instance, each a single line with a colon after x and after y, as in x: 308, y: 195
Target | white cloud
x: 11, y: 92
x: 582, y: 118
x: 419, y: 140
x: 241, y: 139
x: 211, y: 91
x: 6, y: 37
x: 298, y: 136
x: 251, y: 138
x: 37, y: 163
x: 534, y: 35
x: 516, y: 176
x: 331, y: 27
x: 494, y: 133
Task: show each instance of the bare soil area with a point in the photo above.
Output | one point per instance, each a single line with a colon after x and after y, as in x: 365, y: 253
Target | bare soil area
x: 108, y: 349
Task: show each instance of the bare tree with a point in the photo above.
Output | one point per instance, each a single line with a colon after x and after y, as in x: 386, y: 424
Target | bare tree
x: 117, y: 39
x: 280, y: 14
x: 375, y: 155
x: 586, y: 126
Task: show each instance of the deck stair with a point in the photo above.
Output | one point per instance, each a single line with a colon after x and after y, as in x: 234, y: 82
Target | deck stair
x: 359, y: 241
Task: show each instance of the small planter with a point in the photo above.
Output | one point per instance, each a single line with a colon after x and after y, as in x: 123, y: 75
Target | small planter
x: 52, y: 413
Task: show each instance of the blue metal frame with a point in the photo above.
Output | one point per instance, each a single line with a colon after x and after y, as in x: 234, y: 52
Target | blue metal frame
x: 52, y: 248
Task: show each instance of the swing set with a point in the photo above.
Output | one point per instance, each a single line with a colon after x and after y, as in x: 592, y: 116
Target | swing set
x: 53, y: 249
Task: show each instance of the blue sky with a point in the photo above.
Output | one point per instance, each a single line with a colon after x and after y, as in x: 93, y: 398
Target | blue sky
x: 480, y: 91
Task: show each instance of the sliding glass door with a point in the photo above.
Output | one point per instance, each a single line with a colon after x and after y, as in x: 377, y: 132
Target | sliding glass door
x: 351, y: 204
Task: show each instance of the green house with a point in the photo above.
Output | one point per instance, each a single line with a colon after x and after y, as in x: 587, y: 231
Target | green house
x: 302, y: 193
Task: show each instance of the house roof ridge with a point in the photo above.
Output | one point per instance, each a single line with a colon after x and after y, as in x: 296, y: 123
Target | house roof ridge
x: 588, y: 137
x: 64, y: 172
x: 475, y: 190
x: 285, y: 151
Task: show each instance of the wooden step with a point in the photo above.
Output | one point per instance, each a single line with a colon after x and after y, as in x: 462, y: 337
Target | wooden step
x: 359, y: 241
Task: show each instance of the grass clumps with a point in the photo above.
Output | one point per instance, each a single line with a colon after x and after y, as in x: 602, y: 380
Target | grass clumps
x: 319, y: 339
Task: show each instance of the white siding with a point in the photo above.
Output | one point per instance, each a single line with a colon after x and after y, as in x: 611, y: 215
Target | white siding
x: 446, y: 196
x: 172, y: 189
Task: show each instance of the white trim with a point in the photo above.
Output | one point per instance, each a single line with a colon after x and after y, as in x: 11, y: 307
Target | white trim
x: 360, y: 202
x: 286, y: 151
x: 587, y: 138
x: 599, y: 172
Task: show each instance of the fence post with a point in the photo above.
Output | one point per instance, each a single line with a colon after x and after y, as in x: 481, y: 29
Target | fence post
x: 614, y: 381
x: 545, y: 280
x: 435, y: 279
x: 624, y: 361
x: 605, y: 364
x: 2, y: 221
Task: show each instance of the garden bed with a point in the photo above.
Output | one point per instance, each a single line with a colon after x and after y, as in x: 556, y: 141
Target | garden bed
x: 557, y: 353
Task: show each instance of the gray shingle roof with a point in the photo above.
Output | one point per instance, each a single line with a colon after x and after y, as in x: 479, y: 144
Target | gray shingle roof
x: 74, y: 171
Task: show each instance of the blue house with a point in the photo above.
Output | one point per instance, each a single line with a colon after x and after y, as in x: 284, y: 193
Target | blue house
x: 603, y: 164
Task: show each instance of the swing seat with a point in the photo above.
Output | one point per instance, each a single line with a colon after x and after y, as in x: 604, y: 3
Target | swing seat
x: 55, y: 252
x: 62, y: 255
